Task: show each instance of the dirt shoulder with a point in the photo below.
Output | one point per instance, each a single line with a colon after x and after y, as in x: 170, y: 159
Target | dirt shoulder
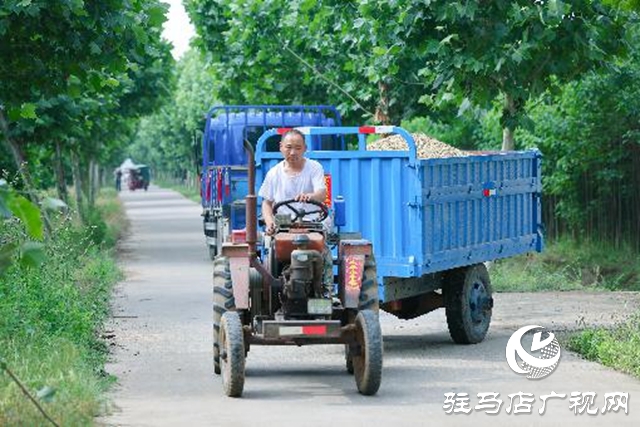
x: 564, y: 311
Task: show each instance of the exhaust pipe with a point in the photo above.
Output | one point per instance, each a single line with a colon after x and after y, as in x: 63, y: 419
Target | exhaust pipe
x: 251, y: 201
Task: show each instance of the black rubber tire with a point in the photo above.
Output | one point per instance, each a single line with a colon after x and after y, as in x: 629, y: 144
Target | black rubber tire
x: 368, y: 299
x: 213, y: 252
x: 223, y: 301
x: 232, y: 354
x: 367, y: 365
x: 468, y: 318
x: 348, y: 359
x: 369, y: 289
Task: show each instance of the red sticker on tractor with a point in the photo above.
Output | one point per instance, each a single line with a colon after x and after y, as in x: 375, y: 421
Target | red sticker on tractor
x: 327, y: 184
x: 354, y: 271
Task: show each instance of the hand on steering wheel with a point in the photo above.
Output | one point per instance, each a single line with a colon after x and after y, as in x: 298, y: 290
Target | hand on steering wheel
x: 301, y: 213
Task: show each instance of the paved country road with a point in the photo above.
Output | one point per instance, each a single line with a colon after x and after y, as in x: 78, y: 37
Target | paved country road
x: 162, y: 351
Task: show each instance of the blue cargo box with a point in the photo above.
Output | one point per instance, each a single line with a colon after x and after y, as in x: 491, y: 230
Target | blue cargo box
x: 430, y: 215
x: 227, y: 127
x: 223, y: 180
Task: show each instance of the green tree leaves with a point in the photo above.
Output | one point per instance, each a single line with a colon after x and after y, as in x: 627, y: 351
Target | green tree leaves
x: 17, y: 206
x: 75, y: 74
x: 27, y: 212
x: 169, y: 139
x: 385, y: 60
x: 28, y: 111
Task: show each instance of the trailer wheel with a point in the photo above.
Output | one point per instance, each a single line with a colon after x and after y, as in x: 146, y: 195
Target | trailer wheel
x: 367, y: 359
x: 369, y: 289
x: 468, y: 303
x: 223, y: 301
x: 232, y: 354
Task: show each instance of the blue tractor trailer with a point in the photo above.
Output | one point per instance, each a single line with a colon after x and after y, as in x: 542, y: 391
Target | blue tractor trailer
x: 224, y: 161
x: 433, y: 223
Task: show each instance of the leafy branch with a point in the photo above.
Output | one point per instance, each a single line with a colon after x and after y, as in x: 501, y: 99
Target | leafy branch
x: 325, y: 78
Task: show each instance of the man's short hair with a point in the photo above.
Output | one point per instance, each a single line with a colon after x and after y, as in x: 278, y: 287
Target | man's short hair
x: 293, y: 132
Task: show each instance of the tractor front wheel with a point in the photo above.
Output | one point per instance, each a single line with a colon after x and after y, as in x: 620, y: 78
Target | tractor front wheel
x: 367, y: 357
x: 348, y: 358
x: 232, y: 354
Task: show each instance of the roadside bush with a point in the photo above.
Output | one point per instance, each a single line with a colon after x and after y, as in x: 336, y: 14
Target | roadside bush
x: 51, y: 318
x: 618, y: 348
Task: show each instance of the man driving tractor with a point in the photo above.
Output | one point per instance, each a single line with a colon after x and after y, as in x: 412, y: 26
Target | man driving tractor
x: 298, y: 178
x: 282, y: 291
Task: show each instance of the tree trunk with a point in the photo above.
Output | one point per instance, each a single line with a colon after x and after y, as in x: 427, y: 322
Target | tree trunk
x: 61, y: 182
x: 96, y: 180
x: 508, y: 132
x: 85, y: 177
x: 77, y: 185
x: 508, y: 141
x: 382, y: 109
x: 93, y: 182
x: 18, y: 158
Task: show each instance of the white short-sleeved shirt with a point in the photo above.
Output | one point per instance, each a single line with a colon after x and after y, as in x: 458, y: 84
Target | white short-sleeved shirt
x: 279, y: 186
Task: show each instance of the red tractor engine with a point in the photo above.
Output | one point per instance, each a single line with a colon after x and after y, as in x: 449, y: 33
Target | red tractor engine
x: 303, y: 276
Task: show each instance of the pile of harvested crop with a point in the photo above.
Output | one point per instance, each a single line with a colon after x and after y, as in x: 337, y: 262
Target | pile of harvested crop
x: 427, y: 147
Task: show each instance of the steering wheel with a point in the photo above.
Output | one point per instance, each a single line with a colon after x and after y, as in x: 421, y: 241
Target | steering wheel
x: 301, y: 213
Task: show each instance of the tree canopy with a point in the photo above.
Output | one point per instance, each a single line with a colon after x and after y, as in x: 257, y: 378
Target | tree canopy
x: 170, y: 138
x: 74, y: 73
x: 98, y: 82
x: 386, y: 60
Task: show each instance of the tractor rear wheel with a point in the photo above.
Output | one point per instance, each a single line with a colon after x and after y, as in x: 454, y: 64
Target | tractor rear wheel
x: 369, y: 289
x: 468, y: 303
x: 367, y: 360
x: 368, y: 299
x: 213, y: 252
x: 223, y: 301
x: 232, y: 354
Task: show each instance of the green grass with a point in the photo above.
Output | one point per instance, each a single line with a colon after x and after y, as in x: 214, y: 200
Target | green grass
x: 51, y: 319
x: 112, y: 216
x: 569, y: 265
x: 618, y: 348
x: 572, y: 265
x: 56, y: 363
x: 190, y: 193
